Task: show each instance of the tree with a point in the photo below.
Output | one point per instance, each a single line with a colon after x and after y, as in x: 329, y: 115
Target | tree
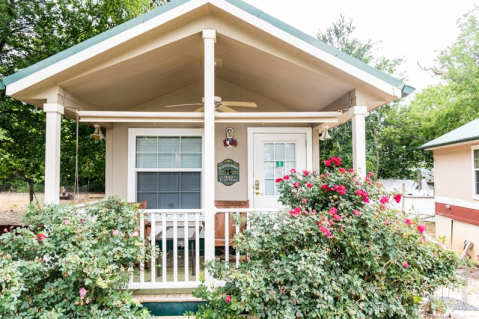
x: 31, y: 31
x: 454, y: 102
x: 391, y: 147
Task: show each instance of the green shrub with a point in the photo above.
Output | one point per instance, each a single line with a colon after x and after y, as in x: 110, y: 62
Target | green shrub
x: 70, y: 264
x: 342, y: 251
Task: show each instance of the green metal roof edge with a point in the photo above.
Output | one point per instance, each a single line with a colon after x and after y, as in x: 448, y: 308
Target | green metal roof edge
x: 406, y: 90
x: 92, y: 41
x: 2, y: 86
x: 425, y: 146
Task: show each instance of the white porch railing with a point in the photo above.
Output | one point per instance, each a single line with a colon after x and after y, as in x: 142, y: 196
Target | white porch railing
x: 178, y: 234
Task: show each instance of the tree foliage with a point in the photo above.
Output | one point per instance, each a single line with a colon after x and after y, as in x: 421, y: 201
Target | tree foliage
x: 31, y: 31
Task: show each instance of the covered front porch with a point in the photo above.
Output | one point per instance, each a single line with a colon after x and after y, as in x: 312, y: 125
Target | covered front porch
x: 199, y: 164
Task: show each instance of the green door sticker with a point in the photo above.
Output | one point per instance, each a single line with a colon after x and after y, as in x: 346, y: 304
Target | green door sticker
x: 279, y: 164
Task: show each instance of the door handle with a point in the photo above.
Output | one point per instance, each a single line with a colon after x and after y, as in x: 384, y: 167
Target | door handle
x: 256, y: 187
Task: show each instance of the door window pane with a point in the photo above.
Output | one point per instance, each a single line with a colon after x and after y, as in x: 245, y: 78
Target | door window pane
x: 278, y: 160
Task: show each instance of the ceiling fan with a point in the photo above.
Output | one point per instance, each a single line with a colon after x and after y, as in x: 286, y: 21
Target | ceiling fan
x: 220, y: 105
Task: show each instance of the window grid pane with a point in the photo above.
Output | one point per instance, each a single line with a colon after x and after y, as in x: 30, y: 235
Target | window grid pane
x: 169, y: 152
x: 272, y: 154
x: 476, y: 159
x: 170, y: 190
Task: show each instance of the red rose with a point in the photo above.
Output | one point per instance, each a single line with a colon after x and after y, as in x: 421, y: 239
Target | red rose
x: 397, y: 198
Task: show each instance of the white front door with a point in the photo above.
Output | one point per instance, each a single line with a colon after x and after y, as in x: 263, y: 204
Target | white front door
x: 274, y: 156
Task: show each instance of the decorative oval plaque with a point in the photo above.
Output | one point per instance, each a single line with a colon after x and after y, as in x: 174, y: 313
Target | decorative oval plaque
x: 228, y: 172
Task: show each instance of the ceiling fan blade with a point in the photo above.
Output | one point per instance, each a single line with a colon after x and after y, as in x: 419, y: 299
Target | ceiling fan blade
x: 201, y: 109
x: 225, y: 108
x: 237, y: 103
x: 188, y: 104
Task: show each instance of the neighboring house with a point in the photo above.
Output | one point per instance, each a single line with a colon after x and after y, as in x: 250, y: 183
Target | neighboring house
x: 197, y: 161
x: 456, y: 183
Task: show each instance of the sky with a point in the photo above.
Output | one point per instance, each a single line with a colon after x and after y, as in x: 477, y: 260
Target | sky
x: 415, y: 30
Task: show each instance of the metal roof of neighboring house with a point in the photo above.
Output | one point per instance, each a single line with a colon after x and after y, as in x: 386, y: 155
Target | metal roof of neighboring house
x: 405, y: 89
x: 465, y: 133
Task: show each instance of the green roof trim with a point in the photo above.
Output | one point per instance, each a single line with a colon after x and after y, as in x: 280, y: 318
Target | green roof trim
x: 466, y: 133
x: 406, y: 90
x: 2, y: 86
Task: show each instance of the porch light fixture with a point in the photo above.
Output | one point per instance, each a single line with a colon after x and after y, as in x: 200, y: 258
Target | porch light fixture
x: 325, y: 135
x: 98, y: 134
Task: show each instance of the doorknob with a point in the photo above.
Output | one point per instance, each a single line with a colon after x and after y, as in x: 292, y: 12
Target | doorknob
x: 256, y: 187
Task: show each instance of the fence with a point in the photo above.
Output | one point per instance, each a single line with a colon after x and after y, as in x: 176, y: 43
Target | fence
x: 419, y: 206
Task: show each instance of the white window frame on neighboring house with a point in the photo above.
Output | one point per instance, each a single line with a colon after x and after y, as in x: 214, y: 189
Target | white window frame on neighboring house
x: 475, y: 188
x: 133, y: 133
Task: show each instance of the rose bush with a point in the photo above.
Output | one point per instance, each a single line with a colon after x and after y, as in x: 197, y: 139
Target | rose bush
x: 71, y: 264
x: 340, y: 251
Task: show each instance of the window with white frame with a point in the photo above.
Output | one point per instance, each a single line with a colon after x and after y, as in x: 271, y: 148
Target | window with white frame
x: 475, y: 158
x: 168, y: 171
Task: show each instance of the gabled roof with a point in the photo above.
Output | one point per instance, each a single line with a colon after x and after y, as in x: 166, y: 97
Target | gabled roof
x: 465, y: 133
x: 403, y: 88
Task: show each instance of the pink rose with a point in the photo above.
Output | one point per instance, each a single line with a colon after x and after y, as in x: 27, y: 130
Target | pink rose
x: 371, y: 174
x: 296, y: 184
x: 337, y: 217
x: 67, y: 222
x: 408, y: 221
x: 397, y: 198
x: 326, y: 187
x: 384, y: 200
x: 388, y: 222
x: 405, y: 264
x: 327, y: 163
x: 116, y: 232
x: 228, y: 299
x: 309, y: 185
x: 292, y: 171
x: 295, y: 212
x: 351, y: 170
x: 41, y: 236
x: 333, y: 210
x: 304, y: 200
x: 357, y: 212
x: 286, y: 177
x: 421, y: 228
x: 279, y: 180
x: 306, y: 173
x: 342, y: 170
x: 83, y: 293
x: 366, y: 199
x: 326, y: 232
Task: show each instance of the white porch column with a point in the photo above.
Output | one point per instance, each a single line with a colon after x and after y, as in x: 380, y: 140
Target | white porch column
x: 316, y: 149
x: 209, y: 37
x: 358, y: 119
x: 52, y: 152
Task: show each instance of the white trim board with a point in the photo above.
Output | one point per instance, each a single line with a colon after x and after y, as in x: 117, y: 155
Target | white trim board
x: 134, y: 132
x: 456, y: 202
x: 276, y: 130
x: 475, y: 195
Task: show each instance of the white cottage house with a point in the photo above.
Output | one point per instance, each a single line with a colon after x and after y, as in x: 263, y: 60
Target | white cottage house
x: 206, y: 156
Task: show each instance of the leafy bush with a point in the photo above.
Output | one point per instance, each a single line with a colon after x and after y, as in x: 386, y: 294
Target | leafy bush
x: 70, y: 264
x: 342, y: 251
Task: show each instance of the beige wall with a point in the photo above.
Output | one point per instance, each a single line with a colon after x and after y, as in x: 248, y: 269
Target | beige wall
x: 117, y: 156
x: 456, y: 233
x: 453, y: 172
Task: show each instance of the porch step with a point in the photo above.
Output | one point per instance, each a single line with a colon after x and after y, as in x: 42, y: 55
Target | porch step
x: 168, y: 298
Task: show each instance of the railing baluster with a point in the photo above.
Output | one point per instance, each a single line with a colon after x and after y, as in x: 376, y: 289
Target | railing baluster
x: 227, y: 237
x: 163, y: 244
x: 238, y: 218
x: 175, y: 247
x: 186, y: 239
x: 153, y: 245
x: 197, y: 245
x: 142, y: 236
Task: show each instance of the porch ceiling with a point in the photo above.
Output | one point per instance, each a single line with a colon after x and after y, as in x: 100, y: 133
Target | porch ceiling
x: 171, y: 68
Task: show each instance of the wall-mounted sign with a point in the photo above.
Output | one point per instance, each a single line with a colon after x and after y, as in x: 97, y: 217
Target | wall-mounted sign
x: 228, y: 172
